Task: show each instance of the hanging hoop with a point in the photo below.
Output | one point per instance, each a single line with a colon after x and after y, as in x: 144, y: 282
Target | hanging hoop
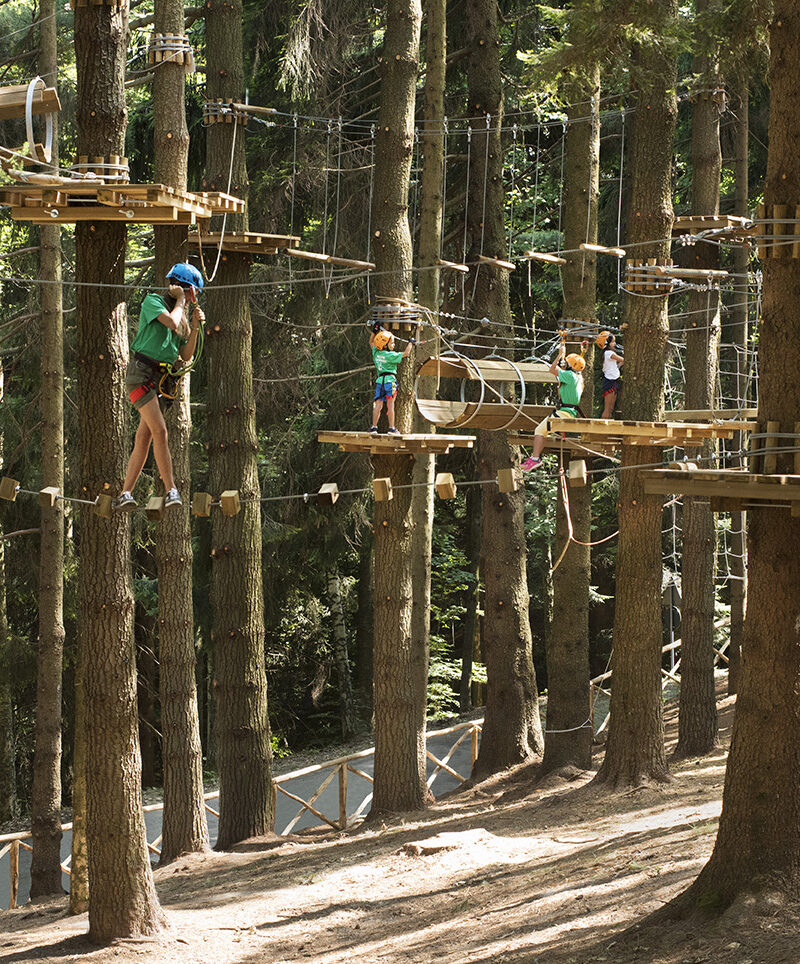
x: 48, y: 144
x: 518, y: 408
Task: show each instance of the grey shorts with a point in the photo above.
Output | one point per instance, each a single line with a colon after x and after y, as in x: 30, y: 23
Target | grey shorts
x: 140, y: 382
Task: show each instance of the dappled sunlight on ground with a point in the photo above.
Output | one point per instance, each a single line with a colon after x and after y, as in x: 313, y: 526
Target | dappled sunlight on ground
x: 506, y: 871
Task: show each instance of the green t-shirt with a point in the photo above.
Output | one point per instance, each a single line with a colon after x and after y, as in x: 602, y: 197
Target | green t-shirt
x: 153, y: 339
x: 570, y: 387
x: 386, y: 362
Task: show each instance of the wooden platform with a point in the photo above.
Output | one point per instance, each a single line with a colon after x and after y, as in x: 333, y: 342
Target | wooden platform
x: 555, y: 443
x: 729, y: 489
x: 243, y: 242
x: 695, y: 223
x: 73, y: 201
x: 486, y: 369
x: 664, y: 434
x: 712, y: 415
x: 396, y: 444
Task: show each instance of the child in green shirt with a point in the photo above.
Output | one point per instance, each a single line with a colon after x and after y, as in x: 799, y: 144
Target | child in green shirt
x: 570, y: 389
x: 386, y: 360
x: 163, y: 336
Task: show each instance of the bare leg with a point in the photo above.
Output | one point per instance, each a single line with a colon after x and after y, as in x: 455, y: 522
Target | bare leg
x: 151, y: 414
x: 390, y: 411
x: 141, y: 449
x: 609, y: 401
x: 376, y: 412
x: 538, y: 446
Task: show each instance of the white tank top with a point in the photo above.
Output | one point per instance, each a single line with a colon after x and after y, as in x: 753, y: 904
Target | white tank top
x: 610, y: 367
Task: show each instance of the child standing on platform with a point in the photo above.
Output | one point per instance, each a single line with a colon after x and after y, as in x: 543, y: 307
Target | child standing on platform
x: 386, y: 360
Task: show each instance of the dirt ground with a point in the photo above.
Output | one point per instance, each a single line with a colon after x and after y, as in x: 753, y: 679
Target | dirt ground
x: 563, y: 874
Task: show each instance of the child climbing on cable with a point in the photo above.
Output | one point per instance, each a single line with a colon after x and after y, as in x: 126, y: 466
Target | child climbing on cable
x: 164, y: 335
x: 612, y: 362
x: 386, y: 360
x: 570, y: 388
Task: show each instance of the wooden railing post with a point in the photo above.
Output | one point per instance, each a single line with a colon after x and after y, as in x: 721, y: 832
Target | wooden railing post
x: 14, y: 872
x: 474, y: 743
x: 274, y: 804
x: 343, y: 796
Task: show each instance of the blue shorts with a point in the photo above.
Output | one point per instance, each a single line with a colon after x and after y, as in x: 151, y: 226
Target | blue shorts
x: 610, y: 385
x: 385, y: 387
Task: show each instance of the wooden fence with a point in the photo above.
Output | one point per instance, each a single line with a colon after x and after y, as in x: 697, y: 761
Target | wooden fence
x: 339, y: 769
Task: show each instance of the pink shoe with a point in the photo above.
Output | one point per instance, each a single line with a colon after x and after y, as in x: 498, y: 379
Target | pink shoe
x: 531, y: 463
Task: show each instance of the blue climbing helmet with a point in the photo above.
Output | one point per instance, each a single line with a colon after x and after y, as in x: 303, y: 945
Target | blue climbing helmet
x: 186, y: 274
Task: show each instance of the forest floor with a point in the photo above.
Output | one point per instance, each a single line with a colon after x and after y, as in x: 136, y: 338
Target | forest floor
x: 553, y: 871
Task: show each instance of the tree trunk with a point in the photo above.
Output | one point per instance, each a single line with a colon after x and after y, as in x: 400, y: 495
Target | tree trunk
x: 123, y: 902
x: 185, y: 829
x: 471, y: 621
x: 399, y: 725
x: 8, y: 778
x: 79, y: 866
x: 364, y: 623
x: 697, y: 726
x: 430, y: 232
x: 345, y: 687
x: 244, y: 754
x: 568, y: 737
x: 758, y: 843
x: 46, y: 788
x: 635, y: 747
x: 512, y: 731
x: 739, y: 324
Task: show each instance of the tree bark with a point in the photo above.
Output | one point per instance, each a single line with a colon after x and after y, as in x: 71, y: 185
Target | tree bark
x: 697, y: 726
x: 46, y: 788
x: 635, y: 747
x: 8, y: 777
x: 512, y: 731
x: 739, y: 336
x: 568, y: 737
x: 758, y: 843
x: 347, y: 714
x: 430, y: 232
x: 471, y: 621
x: 399, y: 724
x: 123, y: 901
x: 244, y: 754
x: 185, y: 829
x: 79, y: 866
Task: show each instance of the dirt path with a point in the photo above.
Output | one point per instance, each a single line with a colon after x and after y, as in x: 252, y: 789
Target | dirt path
x: 556, y: 876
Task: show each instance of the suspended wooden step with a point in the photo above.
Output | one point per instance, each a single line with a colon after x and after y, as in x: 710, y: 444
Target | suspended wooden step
x: 733, y: 488
x: 497, y: 263
x: 308, y: 255
x: 664, y: 434
x: 544, y: 256
x: 452, y: 266
x: 76, y: 201
x: 486, y: 369
x: 484, y: 415
x: 641, y: 277
x: 691, y: 274
x: 242, y: 242
x: 602, y: 249
x: 396, y: 444
x: 352, y: 263
x: 13, y: 100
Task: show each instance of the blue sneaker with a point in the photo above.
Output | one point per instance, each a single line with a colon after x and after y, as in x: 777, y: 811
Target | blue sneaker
x: 173, y: 498
x: 124, y: 502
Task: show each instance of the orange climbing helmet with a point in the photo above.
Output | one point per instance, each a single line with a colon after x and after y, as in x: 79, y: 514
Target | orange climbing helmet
x: 602, y: 338
x: 576, y: 362
x: 382, y: 340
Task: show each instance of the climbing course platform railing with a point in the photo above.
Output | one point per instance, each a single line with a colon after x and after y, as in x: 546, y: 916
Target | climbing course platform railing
x: 334, y: 795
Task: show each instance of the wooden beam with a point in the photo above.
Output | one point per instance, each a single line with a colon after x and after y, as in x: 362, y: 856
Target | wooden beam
x: 602, y: 249
x: 543, y: 256
x: 497, y: 263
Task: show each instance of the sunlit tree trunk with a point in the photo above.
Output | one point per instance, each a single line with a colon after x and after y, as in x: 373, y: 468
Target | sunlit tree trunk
x: 635, y: 747
x: 512, y: 731
x: 123, y: 898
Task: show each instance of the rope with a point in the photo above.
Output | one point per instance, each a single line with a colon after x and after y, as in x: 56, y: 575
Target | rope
x: 369, y: 208
x: 213, y: 275
x: 619, y: 201
x: 294, y: 176
x: 513, y: 192
x: 466, y: 218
